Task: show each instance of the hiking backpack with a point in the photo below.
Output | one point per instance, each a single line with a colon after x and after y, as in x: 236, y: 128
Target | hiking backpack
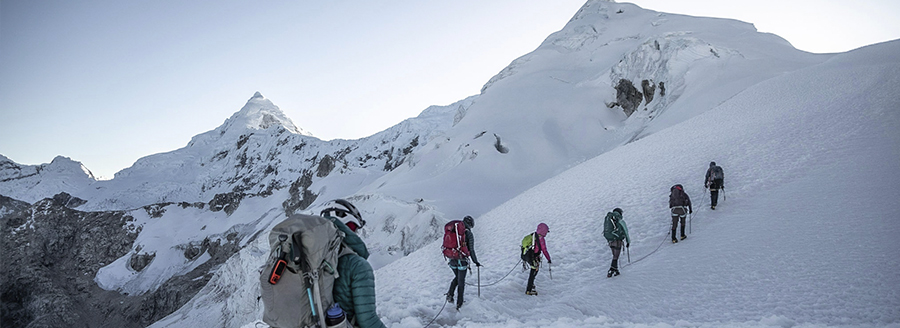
x: 717, y: 173
x: 529, y: 242
x: 611, y: 229
x: 455, y: 246
x: 301, y: 268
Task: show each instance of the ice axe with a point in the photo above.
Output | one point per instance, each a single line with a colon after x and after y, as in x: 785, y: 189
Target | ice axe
x: 478, y: 269
x: 628, y: 252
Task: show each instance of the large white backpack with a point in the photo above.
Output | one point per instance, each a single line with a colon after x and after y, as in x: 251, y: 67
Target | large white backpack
x: 301, y: 267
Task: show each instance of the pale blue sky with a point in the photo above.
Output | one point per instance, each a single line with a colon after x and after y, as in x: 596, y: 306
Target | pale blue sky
x: 107, y: 82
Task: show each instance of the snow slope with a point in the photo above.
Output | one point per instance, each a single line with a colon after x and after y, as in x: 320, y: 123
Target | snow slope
x: 549, y: 109
x: 544, y: 113
x: 806, y: 237
x: 776, y: 118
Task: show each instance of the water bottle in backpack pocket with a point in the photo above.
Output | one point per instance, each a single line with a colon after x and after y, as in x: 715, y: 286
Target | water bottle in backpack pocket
x: 335, y: 317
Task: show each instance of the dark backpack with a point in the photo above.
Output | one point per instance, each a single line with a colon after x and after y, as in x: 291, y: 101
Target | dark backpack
x: 717, y: 173
x: 455, y: 246
x: 612, y: 231
x: 677, y: 197
x: 301, y: 268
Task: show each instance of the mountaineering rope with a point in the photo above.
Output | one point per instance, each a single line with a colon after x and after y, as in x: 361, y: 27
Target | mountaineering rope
x: 438, y: 314
x: 491, y: 284
x: 501, y: 279
x: 651, y: 253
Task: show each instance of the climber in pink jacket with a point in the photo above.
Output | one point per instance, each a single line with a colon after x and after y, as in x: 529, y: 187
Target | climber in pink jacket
x: 532, y: 246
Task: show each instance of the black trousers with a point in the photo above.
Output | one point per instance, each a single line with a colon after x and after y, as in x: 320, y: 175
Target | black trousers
x: 714, y: 192
x: 459, y: 280
x: 531, y: 276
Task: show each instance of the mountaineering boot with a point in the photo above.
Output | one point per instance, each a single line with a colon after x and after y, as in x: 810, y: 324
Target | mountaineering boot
x: 449, y: 298
x: 674, y: 241
x: 712, y: 207
x: 612, y: 272
x: 683, y: 237
x: 530, y: 292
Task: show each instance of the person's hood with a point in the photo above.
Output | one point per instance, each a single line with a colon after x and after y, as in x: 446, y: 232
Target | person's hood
x: 543, y: 229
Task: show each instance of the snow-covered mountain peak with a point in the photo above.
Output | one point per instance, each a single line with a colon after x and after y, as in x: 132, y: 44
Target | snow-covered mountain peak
x: 65, y: 164
x: 260, y: 114
x: 31, y: 183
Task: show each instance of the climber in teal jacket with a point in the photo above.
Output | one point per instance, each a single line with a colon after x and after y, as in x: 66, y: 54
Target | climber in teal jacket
x: 354, y: 289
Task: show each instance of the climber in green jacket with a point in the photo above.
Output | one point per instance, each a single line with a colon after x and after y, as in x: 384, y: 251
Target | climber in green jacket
x: 354, y: 289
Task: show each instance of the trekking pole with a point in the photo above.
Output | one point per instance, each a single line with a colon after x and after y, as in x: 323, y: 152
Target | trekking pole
x: 550, y: 268
x: 628, y: 251
x: 478, y: 268
x: 723, y: 194
x: 691, y: 224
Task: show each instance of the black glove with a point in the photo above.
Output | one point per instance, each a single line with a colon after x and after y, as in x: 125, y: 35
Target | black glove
x: 477, y: 264
x: 549, y: 262
x: 627, y: 245
x: 691, y: 211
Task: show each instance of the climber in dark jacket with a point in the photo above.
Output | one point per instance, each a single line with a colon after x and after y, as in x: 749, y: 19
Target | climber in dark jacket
x: 354, y: 289
x: 680, y: 205
x: 715, y: 180
x: 460, y: 266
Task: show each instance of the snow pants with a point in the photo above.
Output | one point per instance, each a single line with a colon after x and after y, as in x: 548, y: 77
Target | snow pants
x: 714, y: 192
x: 535, y: 267
x: 679, y: 213
x: 458, y: 283
x: 531, y: 276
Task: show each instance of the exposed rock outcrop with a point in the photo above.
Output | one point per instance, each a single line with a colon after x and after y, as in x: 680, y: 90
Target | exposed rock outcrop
x: 301, y: 197
x: 628, y: 97
x: 649, y: 89
x: 51, y: 254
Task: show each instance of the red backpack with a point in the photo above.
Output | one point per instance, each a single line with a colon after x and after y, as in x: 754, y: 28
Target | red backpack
x: 455, y: 246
